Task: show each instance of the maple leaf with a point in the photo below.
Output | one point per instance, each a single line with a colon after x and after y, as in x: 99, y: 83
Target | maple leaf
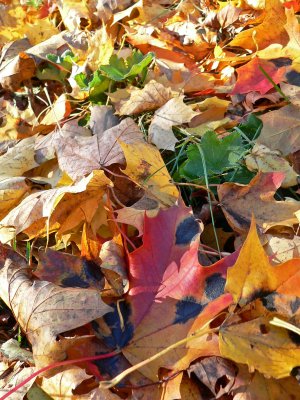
x: 239, y: 202
x: 265, y: 34
x: 270, y: 350
x: 280, y: 130
x: 219, y: 155
x: 171, y: 282
x: 251, y: 78
x: 256, y: 342
x: 79, y: 156
x: 252, y: 274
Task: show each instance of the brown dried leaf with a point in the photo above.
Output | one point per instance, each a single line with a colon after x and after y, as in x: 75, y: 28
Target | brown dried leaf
x: 44, y: 310
x: 263, y: 159
x: 210, y: 370
x: 16, y: 70
x: 79, y: 152
x: 261, y: 36
x: 136, y: 101
x: 174, y: 112
x: 239, y: 202
x: 281, y: 130
x: 65, y: 208
x: 18, y: 159
x: 17, y: 376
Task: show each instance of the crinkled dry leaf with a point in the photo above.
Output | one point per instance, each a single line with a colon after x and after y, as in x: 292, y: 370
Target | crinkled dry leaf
x: 146, y: 168
x: 263, y: 159
x: 281, y: 130
x: 152, y: 96
x: 260, y: 345
x: 239, y: 202
x: 44, y: 310
x: 79, y: 152
x: 68, y: 206
x: 174, y: 112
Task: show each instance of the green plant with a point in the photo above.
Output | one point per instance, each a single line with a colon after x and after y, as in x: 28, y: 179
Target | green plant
x: 221, y: 159
x: 58, y: 68
x: 118, y: 71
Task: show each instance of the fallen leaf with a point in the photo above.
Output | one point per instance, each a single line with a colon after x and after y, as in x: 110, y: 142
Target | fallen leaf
x: 251, y: 77
x: 113, y: 266
x: 34, y: 303
x: 292, y: 92
x: 17, y: 376
x: 59, y: 110
x: 280, y: 130
x: 257, y: 386
x: 74, y: 13
x: 212, y: 370
x: 153, y: 95
x: 73, y: 271
x: 265, y: 160
x: 134, y: 215
x: 264, y: 34
x: 239, y: 202
x: 68, y: 206
x: 79, y: 152
x: 63, y: 384
x: 146, y: 168
x: 18, y: 159
x: 176, y: 286
x: 212, y: 109
x: 174, y: 112
x: 17, y: 70
x: 252, y: 274
x: 260, y: 345
x: 12, y: 191
x: 282, y: 248
x: 171, y: 232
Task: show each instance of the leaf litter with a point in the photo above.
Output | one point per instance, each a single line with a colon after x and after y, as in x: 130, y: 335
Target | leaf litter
x: 149, y: 200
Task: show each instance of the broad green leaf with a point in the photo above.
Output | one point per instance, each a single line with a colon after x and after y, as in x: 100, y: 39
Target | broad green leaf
x: 82, y: 80
x: 220, y: 155
x: 252, y: 127
x: 98, y: 85
x: 120, y: 69
x: 59, y: 68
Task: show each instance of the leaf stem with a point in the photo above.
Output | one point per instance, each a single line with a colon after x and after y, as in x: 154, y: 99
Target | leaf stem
x: 55, y: 365
x: 199, y: 332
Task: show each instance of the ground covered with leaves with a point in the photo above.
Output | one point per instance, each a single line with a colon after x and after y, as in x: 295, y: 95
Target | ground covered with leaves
x: 149, y: 199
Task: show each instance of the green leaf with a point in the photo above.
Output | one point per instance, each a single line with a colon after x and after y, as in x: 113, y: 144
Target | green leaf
x: 240, y: 175
x: 119, y: 69
x: 97, y: 86
x: 58, y: 68
x: 82, y: 80
x: 220, y: 156
x: 252, y: 127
